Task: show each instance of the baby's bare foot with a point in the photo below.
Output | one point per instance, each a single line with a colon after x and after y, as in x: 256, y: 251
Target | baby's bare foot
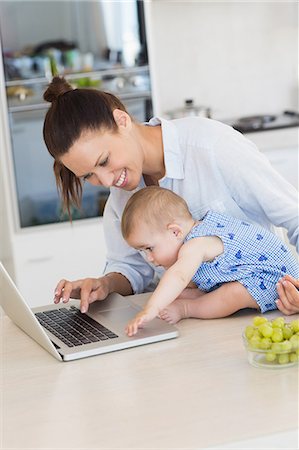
x: 176, y: 311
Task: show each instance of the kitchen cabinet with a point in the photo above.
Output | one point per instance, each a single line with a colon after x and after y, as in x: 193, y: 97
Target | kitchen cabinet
x: 281, y: 148
x: 41, y: 258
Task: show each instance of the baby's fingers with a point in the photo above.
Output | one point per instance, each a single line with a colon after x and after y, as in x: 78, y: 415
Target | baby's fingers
x: 131, y: 329
x: 133, y: 326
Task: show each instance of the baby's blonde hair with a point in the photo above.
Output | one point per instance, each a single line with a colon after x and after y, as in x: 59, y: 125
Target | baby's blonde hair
x: 154, y: 206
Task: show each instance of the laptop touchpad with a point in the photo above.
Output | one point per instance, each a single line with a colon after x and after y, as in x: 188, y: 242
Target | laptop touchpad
x: 118, y: 316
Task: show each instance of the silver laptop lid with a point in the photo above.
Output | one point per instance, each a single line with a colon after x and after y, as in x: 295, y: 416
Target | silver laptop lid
x: 19, y: 312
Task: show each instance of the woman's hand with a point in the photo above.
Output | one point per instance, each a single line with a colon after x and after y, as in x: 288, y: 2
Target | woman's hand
x: 288, y: 301
x: 87, y: 290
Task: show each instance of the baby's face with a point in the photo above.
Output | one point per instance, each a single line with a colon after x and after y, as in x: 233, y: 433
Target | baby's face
x: 160, y: 247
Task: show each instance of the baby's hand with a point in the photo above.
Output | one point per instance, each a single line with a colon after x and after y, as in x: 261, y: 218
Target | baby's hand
x: 139, y: 320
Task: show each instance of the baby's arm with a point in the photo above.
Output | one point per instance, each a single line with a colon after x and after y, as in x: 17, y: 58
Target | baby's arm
x: 177, y: 277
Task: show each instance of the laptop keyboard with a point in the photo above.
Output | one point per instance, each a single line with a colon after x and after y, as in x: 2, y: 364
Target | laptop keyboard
x: 72, y: 327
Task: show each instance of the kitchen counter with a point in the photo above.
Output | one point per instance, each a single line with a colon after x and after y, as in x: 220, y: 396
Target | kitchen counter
x: 196, y: 391
x: 275, y: 139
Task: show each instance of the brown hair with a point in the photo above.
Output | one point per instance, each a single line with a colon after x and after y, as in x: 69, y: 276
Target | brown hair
x: 155, y: 206
x: 72, y: 112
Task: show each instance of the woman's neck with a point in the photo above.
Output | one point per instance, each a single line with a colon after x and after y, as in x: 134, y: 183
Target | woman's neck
x: 150, y: 140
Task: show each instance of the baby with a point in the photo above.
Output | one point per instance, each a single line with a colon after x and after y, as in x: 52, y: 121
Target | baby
x: 211, y: 252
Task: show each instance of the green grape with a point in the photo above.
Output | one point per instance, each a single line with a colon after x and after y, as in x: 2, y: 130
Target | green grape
x: 286, y: 346
x: 295, y: 325
x: 277, y: 335
x: 295, y: 341
x: 257, y: 333
x: 266, y: 330
x: 254, y: 342
x: 294, y: 357
x: 283, y: 359
x: 258, y: 320
x: 249, y: 331
x: 287, y: 332
x: 276, y: 347
x: 270, y: 357
x: 266, y: 343
x: 278, y: 322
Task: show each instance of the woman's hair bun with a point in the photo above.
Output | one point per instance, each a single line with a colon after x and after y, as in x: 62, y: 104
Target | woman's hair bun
x: 56, y: 88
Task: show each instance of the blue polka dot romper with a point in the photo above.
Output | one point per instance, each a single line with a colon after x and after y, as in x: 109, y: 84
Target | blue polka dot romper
x: 252, y: 255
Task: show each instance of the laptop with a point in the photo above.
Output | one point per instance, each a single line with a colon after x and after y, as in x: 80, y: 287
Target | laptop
x: 67, y: 334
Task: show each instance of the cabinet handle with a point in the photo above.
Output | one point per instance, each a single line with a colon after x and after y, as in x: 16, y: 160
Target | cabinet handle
x: 40, y: 259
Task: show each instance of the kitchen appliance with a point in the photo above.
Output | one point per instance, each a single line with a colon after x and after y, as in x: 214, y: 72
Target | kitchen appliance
x: 188, y: 110
x: 266, y: 122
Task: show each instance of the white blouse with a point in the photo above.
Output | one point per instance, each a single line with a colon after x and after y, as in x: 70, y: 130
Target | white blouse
x: 213, y: 167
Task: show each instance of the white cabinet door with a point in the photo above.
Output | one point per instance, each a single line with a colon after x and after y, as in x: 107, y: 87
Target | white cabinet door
x: 281, y: 148
x: 44, y: 256
x: 285, y: 161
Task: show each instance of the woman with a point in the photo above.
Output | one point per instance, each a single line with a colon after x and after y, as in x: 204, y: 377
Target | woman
x: 92, y: 138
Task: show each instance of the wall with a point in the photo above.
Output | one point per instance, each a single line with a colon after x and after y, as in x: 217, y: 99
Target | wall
x: 240, y: 58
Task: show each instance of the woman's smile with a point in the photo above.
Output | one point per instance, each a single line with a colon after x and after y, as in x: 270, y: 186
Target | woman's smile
x: 122, y: 180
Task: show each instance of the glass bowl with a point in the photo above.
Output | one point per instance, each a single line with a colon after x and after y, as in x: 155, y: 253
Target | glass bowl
x: 271, y: 358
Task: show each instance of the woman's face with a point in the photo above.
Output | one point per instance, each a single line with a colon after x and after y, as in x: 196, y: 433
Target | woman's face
x: 107, y: 158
